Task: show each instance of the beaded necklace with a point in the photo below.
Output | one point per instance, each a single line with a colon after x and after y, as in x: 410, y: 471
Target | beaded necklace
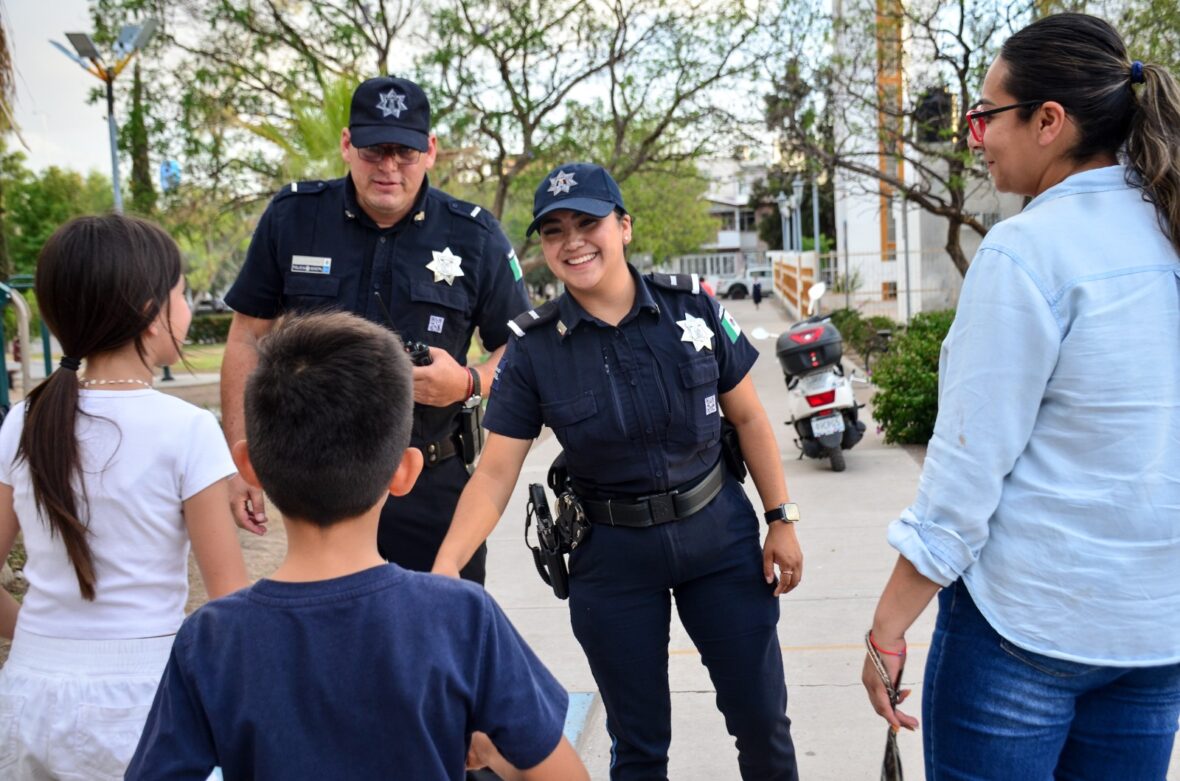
x: 88, y: 383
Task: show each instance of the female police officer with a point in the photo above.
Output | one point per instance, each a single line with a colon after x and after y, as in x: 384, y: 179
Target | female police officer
x: 632, y: 374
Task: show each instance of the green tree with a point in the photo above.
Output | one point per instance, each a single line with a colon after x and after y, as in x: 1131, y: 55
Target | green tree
x: 143, y: 192
x: 38, y: 204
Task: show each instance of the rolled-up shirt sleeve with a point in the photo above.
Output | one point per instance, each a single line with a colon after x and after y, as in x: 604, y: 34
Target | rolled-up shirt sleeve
x: 993, y: 370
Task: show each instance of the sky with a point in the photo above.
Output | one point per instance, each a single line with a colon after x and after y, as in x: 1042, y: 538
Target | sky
x: 60, y: 127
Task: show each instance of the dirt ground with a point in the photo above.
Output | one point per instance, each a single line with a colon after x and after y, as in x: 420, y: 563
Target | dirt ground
x: 262, y: 554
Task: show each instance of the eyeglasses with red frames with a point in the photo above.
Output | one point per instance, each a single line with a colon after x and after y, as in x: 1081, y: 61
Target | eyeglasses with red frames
x: 402, y: 155
x: 977, y: 118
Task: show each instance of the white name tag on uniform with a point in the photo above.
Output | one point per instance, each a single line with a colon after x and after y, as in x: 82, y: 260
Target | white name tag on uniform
x: 309, y: 264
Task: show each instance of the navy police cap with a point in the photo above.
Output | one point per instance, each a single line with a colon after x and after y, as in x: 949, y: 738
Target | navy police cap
x: 580, y: 187
x: 388, y: 110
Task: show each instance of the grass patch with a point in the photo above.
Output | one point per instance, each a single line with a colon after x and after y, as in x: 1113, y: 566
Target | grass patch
x: 206, y: 358
x: 203, y: 358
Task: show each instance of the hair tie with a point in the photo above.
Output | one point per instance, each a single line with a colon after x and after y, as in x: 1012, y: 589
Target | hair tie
x: 70, y: 364
x: 1137, y: 72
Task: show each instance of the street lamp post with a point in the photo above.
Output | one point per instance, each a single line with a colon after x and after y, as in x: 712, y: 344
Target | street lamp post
x: 815, y: 224
x: 132, y: 38
x: 797, y: 186
x: 783, y: 202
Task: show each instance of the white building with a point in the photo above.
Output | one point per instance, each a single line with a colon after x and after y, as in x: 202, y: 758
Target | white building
x: 891, y: 257
x: 729, y: 193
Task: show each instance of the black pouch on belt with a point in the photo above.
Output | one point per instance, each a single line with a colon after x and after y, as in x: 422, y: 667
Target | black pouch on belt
x: 731, y: 450
x: 471, y: 429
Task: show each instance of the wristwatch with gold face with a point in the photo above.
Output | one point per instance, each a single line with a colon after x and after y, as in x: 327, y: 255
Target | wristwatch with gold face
x: 788, y: 513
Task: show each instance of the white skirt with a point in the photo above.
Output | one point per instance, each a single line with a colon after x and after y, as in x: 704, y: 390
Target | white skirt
x: 74, y: 709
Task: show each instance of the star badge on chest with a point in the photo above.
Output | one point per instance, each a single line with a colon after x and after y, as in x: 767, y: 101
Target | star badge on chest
x: 445, y: 266
x: 697, y: 331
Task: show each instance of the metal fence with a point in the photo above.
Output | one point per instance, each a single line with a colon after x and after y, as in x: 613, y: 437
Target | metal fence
x: 869, y: 283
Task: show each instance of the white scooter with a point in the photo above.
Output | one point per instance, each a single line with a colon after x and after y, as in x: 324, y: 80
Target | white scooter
x: 820, y: 401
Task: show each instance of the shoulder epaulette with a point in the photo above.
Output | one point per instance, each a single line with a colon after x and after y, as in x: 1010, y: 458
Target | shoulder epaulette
x: 313, y: 187
x: 471, y: 211
x: 532, y: 318
x: 686, y: 283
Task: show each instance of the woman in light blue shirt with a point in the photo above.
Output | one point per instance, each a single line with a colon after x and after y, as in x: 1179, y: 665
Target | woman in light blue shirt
x: 1048, y: 511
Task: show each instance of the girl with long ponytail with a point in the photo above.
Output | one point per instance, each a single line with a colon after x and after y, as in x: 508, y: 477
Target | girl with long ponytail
x: 110, y: 482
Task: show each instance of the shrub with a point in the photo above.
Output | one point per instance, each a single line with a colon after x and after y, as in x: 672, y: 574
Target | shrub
x: 907, y: 378
x: 860, y: 333
x: 210, y: 328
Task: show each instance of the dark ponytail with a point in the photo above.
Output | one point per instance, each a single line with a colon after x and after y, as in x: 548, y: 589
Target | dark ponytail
x: 1081, y: 62
x: 100, y: 282
x: 1153, y: 146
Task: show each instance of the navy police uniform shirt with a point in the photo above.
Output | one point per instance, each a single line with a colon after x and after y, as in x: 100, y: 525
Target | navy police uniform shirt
x: 443, y: 271
x: 635, y: 407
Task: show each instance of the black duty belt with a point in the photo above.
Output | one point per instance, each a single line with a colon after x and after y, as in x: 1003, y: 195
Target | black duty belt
x: 434, y: 453
x: 657, y: 509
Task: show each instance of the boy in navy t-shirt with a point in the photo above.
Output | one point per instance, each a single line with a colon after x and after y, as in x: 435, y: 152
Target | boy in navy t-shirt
x: 340, y: 665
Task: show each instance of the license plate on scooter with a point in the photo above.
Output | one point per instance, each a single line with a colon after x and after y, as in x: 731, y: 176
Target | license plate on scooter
x: 832, y: 424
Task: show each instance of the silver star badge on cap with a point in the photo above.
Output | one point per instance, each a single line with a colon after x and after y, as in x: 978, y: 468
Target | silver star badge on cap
x: 696, y: 331
x: 392, y: 104
x: 445, y: 266
x: 561, y: 183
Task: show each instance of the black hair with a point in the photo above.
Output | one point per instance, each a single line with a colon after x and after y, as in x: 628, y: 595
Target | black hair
x: 100, y: 282
x: 328, y: 415
x: 1081, y: 62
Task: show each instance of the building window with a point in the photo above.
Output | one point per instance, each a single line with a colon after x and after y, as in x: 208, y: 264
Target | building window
x: 728, y: 221
x: 888, y: 291
x: 749, y: 221
x: 988, y: 219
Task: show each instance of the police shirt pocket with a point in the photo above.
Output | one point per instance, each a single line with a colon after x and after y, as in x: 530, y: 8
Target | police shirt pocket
x: 562, y: 414
x: 440, y: 293
x: 310, y: 291
x: 702, y: 412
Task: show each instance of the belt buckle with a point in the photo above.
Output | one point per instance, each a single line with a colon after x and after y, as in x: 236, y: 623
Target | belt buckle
x: 662, y: 508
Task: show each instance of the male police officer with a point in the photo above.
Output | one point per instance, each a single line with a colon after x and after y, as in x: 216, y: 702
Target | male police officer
x: 380, y: 242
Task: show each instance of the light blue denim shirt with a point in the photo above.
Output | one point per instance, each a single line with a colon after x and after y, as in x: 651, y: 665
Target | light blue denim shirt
x: 1052, y: 482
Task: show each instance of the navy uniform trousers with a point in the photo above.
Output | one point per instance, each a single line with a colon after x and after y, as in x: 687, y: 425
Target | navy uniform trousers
x: 621, y: 584
x: 413, y: 526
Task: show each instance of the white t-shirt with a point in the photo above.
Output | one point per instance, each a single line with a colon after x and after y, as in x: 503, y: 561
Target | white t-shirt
x: 143, y: 454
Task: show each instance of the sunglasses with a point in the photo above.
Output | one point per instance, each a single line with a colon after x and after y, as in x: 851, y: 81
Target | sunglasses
x: 977, y: 118
x: 403, y: 155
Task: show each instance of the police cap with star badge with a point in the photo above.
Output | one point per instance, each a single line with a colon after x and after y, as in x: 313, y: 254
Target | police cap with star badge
x: 388, y: 110
x: 580, y: 187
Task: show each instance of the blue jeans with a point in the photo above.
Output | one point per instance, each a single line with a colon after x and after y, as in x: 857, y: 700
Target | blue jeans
x: 621, y: 584
x: 992, y: 710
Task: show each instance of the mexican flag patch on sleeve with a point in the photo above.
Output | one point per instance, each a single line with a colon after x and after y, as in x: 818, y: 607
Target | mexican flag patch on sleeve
x: 732, y: 329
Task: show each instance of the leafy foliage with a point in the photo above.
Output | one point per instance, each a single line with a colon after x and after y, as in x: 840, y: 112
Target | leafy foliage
x: 886, y: 137
x: 907, y: 403
x: 36, y: 205
x: 861, y: 333
x: 210, y: 328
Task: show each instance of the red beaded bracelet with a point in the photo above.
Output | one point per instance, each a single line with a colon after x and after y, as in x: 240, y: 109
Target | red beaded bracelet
x: 470, y: 386
x: 881, y: 650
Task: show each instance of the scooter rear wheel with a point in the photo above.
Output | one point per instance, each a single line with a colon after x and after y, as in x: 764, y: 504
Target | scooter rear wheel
x: 836, y: 456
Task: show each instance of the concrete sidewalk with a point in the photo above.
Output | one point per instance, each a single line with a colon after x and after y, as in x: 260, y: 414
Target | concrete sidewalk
x: 847, y: 561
